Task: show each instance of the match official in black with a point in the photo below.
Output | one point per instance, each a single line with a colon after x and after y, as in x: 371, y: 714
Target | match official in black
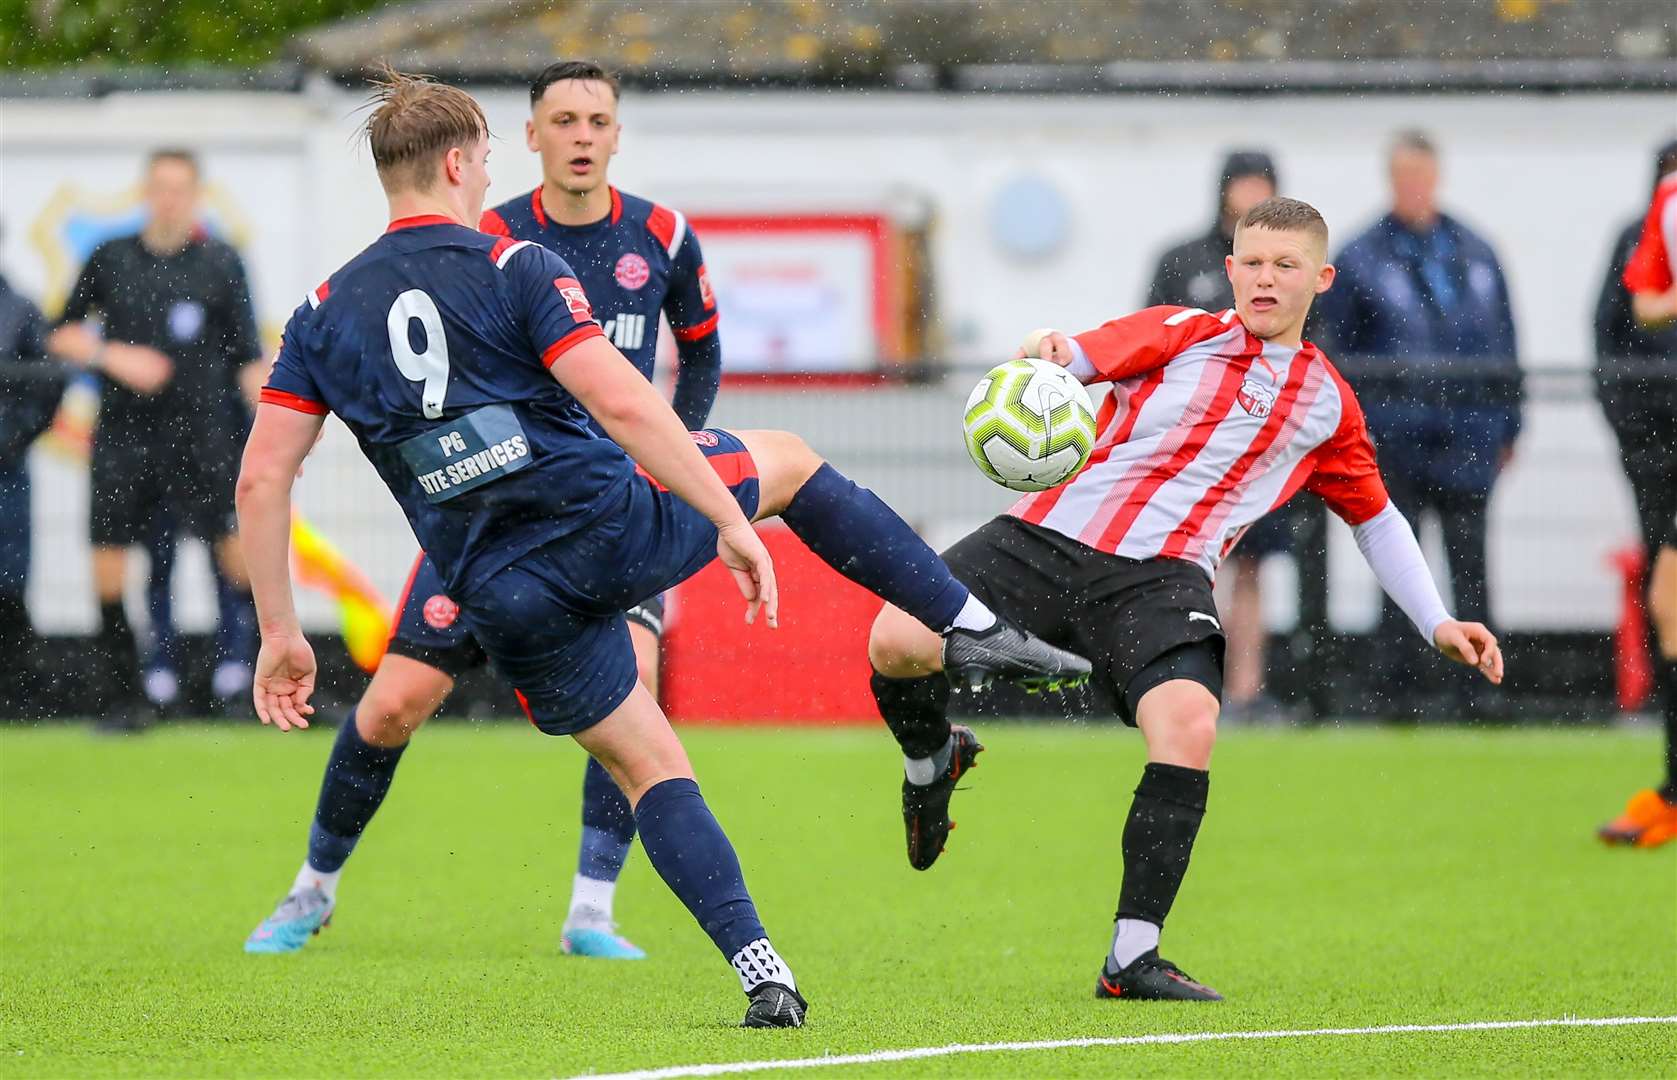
x: 174, y: 304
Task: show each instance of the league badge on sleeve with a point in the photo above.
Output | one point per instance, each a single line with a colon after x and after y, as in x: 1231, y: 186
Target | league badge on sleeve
x: 575, y: 298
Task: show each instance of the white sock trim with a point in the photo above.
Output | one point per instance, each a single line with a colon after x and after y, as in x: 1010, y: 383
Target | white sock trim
x: 974, y: 615
x: 310, y: 878
x: 757, y: 963
x: 1131, y: 938
x: 921, y: 771
x: 591, y: 901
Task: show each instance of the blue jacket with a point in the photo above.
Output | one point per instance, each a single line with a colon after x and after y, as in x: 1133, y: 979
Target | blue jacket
x: 1424, y: 329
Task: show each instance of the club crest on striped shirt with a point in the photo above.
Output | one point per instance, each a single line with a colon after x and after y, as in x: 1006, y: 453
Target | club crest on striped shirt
x: 1256, y: 398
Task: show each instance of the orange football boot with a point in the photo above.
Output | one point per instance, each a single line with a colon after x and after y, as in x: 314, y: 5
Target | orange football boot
x: 1648, y: 821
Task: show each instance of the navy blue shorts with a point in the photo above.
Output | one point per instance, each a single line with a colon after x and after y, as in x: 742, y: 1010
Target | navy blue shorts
x: 553, y: 621
x: 428, y: 626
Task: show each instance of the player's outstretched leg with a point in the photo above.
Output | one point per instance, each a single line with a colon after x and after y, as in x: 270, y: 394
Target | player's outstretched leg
x: 688, y: 848
x: 1179, y: 719
x: 855, y: 533
x: 608, y: 830
x: 403, y: 695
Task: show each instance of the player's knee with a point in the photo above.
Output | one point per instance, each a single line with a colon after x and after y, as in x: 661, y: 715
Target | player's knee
x: 388, y: 715
x: 901, y: 647
x: 1180, y: 724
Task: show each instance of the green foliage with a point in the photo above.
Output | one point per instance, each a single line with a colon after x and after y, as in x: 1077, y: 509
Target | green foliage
x: 1342, y: 879
x: 50, y: 33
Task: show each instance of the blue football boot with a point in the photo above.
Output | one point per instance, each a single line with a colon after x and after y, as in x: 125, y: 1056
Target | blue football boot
x: 299, y: 917
x: 597, y: 938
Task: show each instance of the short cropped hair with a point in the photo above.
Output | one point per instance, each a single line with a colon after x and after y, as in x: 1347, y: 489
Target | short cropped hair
x: 559, y: 71
x: 414, y: 122
x: 1413, y: 139
x: 174, y: 153
x: 1282, y: 214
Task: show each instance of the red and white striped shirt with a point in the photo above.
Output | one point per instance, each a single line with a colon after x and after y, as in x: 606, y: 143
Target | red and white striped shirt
x: 1650, y: 266
x: 1207, y: 429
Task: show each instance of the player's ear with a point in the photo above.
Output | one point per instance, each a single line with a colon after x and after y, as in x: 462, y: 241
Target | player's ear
x: 453, y: 159
x: 530, y: 136
x: 1324, y: 278
x: 1228, y: 266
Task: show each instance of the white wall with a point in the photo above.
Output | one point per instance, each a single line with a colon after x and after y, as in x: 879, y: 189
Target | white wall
x: 1548, y: 179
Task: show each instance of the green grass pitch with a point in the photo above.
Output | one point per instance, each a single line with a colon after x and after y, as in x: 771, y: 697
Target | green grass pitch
x: 1342, y: 879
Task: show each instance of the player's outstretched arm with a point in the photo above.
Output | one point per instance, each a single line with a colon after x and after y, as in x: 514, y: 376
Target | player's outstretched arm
x: 285, y: 671
x: 639, y: 420
x: 1389, y: 547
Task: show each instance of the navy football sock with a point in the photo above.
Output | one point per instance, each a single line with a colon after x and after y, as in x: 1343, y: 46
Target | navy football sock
x: 859, y: 536
x: 608, y: 825
x: 693, y: 856
x: 358, y: 775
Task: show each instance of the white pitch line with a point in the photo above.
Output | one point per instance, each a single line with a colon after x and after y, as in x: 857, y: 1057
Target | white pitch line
x: 915, y: 1053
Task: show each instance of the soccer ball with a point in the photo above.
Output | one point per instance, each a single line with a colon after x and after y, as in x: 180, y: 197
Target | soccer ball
x: 1030, y: 425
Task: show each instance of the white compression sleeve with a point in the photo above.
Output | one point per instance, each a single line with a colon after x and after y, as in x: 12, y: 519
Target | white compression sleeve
x: 1083, y: 369
x: 1389, y: 547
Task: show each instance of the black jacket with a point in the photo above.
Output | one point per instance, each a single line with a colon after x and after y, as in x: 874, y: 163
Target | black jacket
x: 1192, y: 274
x: 1635, y: 368
x: 30, y: 382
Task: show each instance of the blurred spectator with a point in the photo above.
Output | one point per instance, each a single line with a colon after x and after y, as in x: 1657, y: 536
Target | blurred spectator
x: 1192, y: 273
x: 178, y: 339
x: 1420, y: 317
x: 30, y: 386
x: 1636, y: 379
x: 1636, y: 321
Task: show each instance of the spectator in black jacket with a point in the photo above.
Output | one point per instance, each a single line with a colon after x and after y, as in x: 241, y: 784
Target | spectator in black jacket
x: 1636, y: 380
x: 30, y: 386
x: 1192, y: 273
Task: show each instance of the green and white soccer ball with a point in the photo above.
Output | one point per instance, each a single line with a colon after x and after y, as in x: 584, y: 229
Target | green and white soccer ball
x: 1030, y: 425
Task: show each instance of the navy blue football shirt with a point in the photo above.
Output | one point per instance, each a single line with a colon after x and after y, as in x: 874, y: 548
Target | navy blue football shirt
x: 637, y: 261
x: 433, y: 346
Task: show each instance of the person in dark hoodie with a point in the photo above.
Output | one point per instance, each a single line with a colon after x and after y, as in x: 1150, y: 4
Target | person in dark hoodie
x: 1636, y: 380
x: 1192, y: 274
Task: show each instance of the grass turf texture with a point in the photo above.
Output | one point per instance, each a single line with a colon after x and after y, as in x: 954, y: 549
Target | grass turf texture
x: 1341, y: 879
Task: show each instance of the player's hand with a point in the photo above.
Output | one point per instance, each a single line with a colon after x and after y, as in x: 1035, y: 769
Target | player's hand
x: 284, y: 680
x: 742, y: 552
x: 1049, y: 345
x: 1472, y: 644
x: 141, y: 369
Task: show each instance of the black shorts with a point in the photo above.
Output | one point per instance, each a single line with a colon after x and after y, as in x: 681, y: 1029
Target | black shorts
x: 1139, y: 622
x: 428, y: 626
x: 132, y: 483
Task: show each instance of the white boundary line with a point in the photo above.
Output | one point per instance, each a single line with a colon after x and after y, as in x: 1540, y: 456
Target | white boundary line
x: 878, y: 1056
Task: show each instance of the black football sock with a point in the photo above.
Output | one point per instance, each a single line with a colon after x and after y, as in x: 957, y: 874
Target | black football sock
x: 358, y: 776
x: 916, y: 710
x: 859, y: 536
x: 1668, y: 673
x: 1158, y: 839
x: 116, y: 642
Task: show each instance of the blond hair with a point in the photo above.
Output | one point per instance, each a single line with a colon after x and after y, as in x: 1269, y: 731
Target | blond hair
x: 414, y: 122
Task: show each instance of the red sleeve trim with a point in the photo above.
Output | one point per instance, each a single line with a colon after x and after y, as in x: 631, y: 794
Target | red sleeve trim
x: 493, y: 224
x: 694, y: 333
x: 289, y: 400
x: 661, y: 224
x: 500, y: 248
x: 553, y: 352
